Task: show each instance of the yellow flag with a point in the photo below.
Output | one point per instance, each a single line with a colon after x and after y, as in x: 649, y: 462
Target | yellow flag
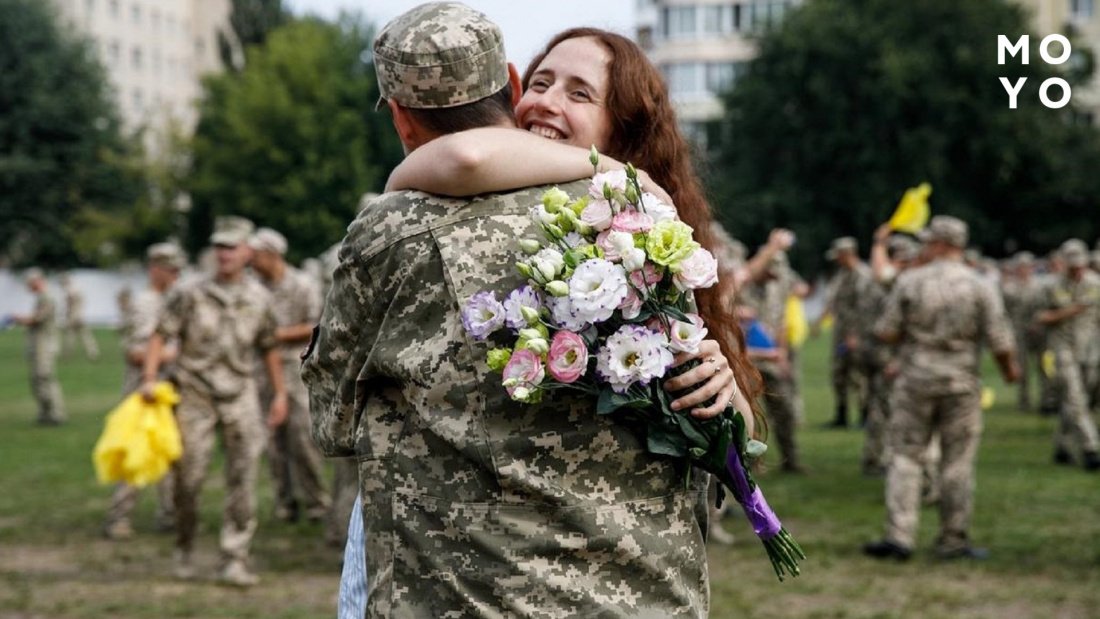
x: 912, y: 213
x: 798, y: 329
x: 989, y: 398
x: 1047, y: 364
x: 140, y: 439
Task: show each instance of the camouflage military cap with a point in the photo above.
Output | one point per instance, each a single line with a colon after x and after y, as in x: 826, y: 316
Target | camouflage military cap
x: 903, y: 248
x: 1023, y: 259
x: 440, y: 55
x: 166, y: 254
x: 844, y: 243
x: 946, y: 229
x: 231, y: 230
x: 266, y: 239
x: 1075, y: 253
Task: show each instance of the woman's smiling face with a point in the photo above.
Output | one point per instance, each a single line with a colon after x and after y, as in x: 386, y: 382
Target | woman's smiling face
x: 565, y: 98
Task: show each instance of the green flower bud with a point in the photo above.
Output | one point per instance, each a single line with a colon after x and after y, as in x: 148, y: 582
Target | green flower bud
x: 530, y: 246
x: 521, y: 394
x: 525, y: 270
x: 554, y: 231
x: 498, y: 358
x: 631, y: 194
x: 557, y: 288
x: 554, y: 199
x: 594, y: 156
x: 530, y: 314
x: 631, y: 171
x: 539, y: 346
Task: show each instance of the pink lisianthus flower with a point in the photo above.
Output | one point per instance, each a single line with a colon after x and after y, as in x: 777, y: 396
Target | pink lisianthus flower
x: 632, y: 221
x: 644, y: 279
x: 631, y: 305
x: 598, y: 214
x: 615, y: 178
x: 698, y: 270
x: 524, y: 370
x: 686, y: 336
x: 567, y: 360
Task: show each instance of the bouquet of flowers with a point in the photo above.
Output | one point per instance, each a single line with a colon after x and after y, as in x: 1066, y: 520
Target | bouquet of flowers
x: 606, y: 306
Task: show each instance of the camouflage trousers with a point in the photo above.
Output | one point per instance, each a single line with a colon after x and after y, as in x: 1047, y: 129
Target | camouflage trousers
x: 1075, y: 427
x: 79, y: 332
x: 297, y: 466
x: 44, y: 385
x: 345, y: 490
x: 1029, y: 356
x: 915, y: 416
x: 782, y: 415
x: 242, y: 430
x: 125, y: 497
x: 875, y: 454
x: 794, y: 356
x: 848, y: 374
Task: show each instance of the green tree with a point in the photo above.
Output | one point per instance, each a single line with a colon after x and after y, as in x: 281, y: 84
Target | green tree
x: 293, y: 141
x: 61, y: 149
x: 852, y: 101
x: 250, y: 22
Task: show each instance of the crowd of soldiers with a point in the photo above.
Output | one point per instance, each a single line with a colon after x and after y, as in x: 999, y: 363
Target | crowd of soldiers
x: 907, y: 331
x: 229, y: 338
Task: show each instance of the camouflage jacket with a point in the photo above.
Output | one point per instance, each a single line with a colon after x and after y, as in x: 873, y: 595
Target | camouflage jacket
x: 943, y: 311
x: 220, y: 328
x: 42, y: 332
x: 1079, y: 333
x: 296, y: 300
x: 846, y: 292
x: 475, y: 505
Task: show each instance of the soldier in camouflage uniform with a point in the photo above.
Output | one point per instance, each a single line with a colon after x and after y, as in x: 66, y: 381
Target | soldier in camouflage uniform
x: 296, y: 463
x: 75, y: 328
x: 221, y: 320
x: 1023, y: 296
x: 1070, y: 312
x: 942, y: 312
x: 1050, y: 395
x: 845, y: 293
x: 42, y: 351
x: 164, y: 262
x: 890, y: 256
x: 475, y: 505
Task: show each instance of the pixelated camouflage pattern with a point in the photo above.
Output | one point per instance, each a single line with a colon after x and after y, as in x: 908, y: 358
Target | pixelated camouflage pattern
x: 440, y: 55
x: 220, y: 328
x: 475, y: 505
x: 296, y: 463
x: 141, y: 323
x: 943, y: 311
x: 41, y: 352
x: 1022, y: 300
x: 1075, y: 343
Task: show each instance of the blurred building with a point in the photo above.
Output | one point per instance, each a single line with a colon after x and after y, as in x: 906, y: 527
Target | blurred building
x: 1080, y: 20
x: 702, y: 46
x: 155, y: 52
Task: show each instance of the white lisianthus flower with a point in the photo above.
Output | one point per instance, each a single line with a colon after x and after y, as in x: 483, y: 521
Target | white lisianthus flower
x: 656, y: 209
x: 524, y: 297
x: 622, y: 242
x: 596, y: 289
x: 615, y: 178
x: 564, y: 315
x: 698, y: 270
x: 540, y: 215
x: 598, y: 215
x: 633, y: 355
x: 549, y: 262
x: 573, y: 240
x: 686, y: 336
x: 633, y: 259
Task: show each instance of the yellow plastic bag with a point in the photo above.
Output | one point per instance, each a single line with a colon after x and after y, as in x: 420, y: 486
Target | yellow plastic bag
x: 798, y: 328
x: 140, y: 439
x: 1046, y: 362
x: 912, y: 213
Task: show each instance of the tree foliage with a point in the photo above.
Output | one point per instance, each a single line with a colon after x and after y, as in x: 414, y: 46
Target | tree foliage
x: 852, y: 101
x: 251, y: 21
x: 293, y: 141
x: 62, y: 155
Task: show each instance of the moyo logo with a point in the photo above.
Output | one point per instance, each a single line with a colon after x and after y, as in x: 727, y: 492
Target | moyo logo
x: 1022, y: 47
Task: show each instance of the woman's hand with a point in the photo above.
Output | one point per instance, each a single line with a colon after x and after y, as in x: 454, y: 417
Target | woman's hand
x: 712, y: 378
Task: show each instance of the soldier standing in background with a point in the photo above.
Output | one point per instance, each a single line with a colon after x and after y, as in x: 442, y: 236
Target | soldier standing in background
x: 75, y: 327
x: 846, y: 289
x: 164, y: 261
x: 1023, y: 297
x: 942, y: 312
x: 1050, y: 395
x: 1070, y: 312
x: 221, y: 320
x: 296, y: 463
x: 42, y: 351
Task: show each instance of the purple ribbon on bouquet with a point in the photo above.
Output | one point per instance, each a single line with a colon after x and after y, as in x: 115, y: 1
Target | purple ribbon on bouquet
x: 764, y: 522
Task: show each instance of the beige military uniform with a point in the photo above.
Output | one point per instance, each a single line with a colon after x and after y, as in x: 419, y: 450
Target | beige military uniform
x: 42, y: 345
x: 1022, y: 300
x: 943, y: 311
x: 845, y: 297
x: 475, y: 505
x: 220, y: 328
x: 1075, y: 343
x: 296, y: 463
x: 76, y: 329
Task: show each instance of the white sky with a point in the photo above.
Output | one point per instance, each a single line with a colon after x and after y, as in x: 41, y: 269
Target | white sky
x: 527, y: 25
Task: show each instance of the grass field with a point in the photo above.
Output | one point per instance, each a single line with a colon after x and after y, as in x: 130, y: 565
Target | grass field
x: 1042, y: 524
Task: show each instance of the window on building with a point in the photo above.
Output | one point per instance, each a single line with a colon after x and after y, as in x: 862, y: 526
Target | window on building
x: 135, y: 13
x: 678, y: 22
x: 1082, y: 9
x: 154, y: 18
x: 156, y: 61
x: 89, y: 6
x: 114, y: 52
x: 200, y: 48
x: 114, y: 8
x: 761, y: 14
x: 137, y: 100
x: 720, y: 76
x: 685, y: 79
x: 135, y: 58
x: 718, y: 19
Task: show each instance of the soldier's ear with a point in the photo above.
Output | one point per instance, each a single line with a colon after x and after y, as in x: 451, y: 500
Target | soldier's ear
x: 516, y: 83
x: 405, y: 125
